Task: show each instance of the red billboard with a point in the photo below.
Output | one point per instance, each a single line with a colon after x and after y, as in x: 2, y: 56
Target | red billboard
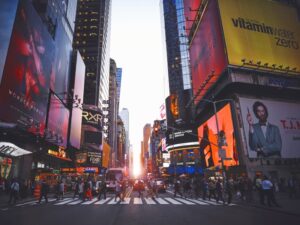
x: 207, y: 53
x: 208, y: 139
x: 57, y: 122
x: 26, y: 76
x: 190, y: 12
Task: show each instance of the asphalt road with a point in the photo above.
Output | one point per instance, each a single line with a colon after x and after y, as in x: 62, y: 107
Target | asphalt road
x: 140, y: 211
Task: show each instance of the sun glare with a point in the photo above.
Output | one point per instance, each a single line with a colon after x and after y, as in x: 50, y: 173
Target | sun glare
x: 136, y: 164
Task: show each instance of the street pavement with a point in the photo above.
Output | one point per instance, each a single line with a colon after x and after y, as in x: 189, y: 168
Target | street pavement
x: 165, y: 209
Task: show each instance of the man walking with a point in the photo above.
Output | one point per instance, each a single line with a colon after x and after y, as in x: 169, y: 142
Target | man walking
x: 14, y: 191
x: 44, y: 191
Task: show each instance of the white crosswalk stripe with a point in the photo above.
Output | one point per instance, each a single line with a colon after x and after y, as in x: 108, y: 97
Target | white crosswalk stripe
x: 137, y: 201
x: 64, y: 202
x: 150, y: 201
x: 128, y: 201
x: 173, y: 201
x: 90, y: 202
x: 185, y: 201
x: 161, y: 201
x: 102, y: 201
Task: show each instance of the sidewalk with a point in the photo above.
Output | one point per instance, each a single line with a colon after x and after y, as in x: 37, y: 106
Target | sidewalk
x: 287, y: 205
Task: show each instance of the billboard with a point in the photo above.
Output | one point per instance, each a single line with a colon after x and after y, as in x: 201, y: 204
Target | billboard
x: 57, y: 122
x: 8, y: 11
x: 208, y: 138
x: 261, y: 31
x: 190, y: 12
x: 178, y: 139
x: 92, y: 116
x: 76, y: 121
x: 272, y: 128
x: 207, y: 51
x: 24, y: 87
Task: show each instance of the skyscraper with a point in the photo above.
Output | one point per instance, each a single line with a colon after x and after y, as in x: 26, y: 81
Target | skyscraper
x: 92, y: 39
x: 176, y: 43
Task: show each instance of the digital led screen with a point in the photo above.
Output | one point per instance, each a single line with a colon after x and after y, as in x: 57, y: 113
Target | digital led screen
x: 207, y: 54
x: 208, y: 138
x: 25, y: 83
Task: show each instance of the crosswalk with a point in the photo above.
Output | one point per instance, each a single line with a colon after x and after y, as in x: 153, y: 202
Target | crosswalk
x: 127, y: 201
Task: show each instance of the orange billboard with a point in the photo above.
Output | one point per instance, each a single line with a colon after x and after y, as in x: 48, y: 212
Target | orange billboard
x: 208, y: 139
x: 261, y: 34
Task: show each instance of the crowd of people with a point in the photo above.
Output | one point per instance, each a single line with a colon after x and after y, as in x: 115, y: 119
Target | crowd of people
x: 241, y: 188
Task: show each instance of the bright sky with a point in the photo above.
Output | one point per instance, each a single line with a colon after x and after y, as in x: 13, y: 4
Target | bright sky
x: 136, y: 46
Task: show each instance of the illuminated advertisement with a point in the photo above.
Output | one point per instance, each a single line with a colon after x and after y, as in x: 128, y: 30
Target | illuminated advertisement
x: 190, y: 12
x: 92, y: 116
x: 58, y: 121
x: 7, y: 16
x: 25, y: 83
x: 105, y: 154
x: 75, y: 130
x: 207, y: 54
x: 261, y: 32
x: 271, y: 128
x: 81, y: 157
x: 208, y: 138
x: 178, y: 139
x: 94, y: 158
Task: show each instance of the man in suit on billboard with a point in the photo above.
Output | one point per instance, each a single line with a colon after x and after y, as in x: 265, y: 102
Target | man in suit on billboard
x: 264, y: 137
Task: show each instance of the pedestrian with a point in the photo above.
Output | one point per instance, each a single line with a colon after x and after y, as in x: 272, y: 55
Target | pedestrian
x: 140, y: 188
x: 211, y: 189
x: 292, y: 189
x: 219, y: 190
x: 229, y: 190
x: 204, y: 188
x: 177, y: 187
x: 61, y: 190
x: 44, y: 191
x: 154, y: 188
x: 118, y: 191
x: 102, y: 189
x: 76, y: 190
x: 268, y: 189
x: 258, y: 187
x: 14, y: 191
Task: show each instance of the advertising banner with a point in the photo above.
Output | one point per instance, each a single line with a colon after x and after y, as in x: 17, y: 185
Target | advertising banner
x: 208, y: 138
x: 176, y: 139
x: 26, y: 77
x: 190, y: 12
x: 58, y: 122
x: 272, y: 128
x: 207, y: 54
x: 76, y: 121
x: 263, y: 32
x: 92, y: 116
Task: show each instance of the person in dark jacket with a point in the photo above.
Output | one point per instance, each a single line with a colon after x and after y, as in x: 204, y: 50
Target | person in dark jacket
x: 44, y: 191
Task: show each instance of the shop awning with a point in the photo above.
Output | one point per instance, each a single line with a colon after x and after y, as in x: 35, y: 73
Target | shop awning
x: 9, y: 149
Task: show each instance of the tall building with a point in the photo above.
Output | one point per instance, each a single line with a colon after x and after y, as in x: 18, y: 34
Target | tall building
x: 119, y: 83
x: 245, y: 83
x: 145, y: 151
x: 92, y: 39
x: 176, y: 44
x: 112, y: 116
x: 124, y: 114
x: 36, y: 115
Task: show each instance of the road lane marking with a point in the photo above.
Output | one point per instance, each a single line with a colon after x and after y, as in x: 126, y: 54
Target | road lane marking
x: 102, y: 201
x: 64, y: 202
x: 150, y: 201
x: 113, y: 202
x: 75, y: 202
x: 185, y: 201
x: 90, y: 202
x: 126, y: 201
x: 173, y: 201
x: 137, y: 201
x: 197, y: 201
x: 161, y: 201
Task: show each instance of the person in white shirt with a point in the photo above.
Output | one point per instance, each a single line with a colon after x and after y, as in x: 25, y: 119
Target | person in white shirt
x: 14, y: 191
x: 268, y: 189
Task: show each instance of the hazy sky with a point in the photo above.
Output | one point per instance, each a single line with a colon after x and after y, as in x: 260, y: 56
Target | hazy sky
x: 136, y: 46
